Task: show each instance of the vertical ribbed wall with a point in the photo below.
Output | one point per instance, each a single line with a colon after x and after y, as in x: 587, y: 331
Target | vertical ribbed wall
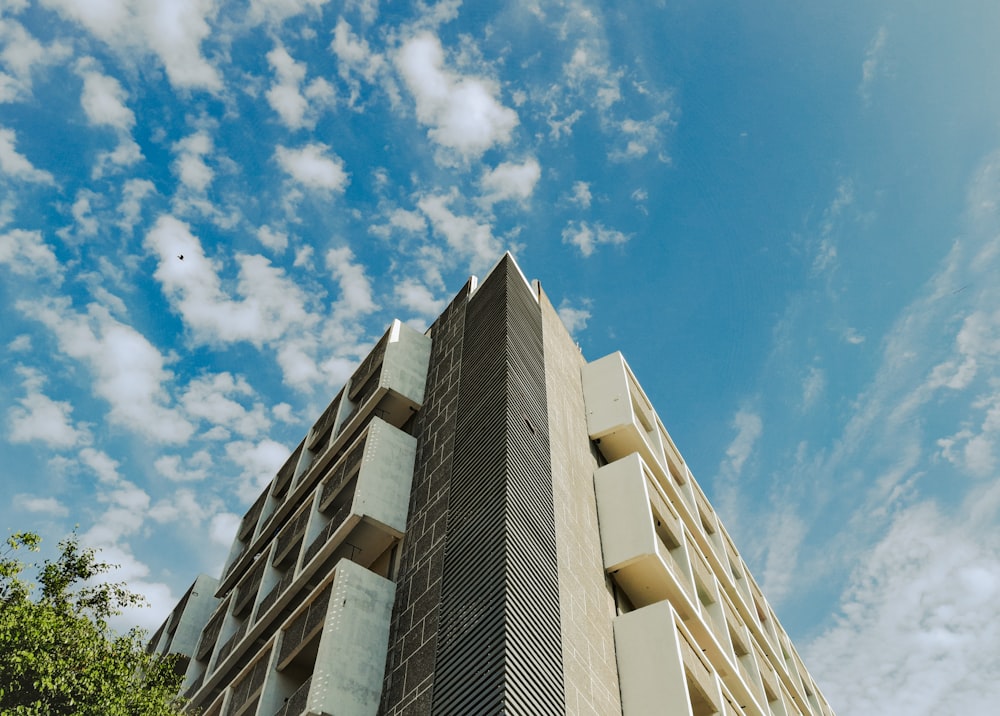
x: 498, y: 642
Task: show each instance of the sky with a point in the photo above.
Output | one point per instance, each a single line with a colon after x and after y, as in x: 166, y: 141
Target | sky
x: 785, y: 214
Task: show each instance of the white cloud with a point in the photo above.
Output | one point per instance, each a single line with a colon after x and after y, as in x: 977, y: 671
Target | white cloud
x: 975, y: 450
x: 749, y: 428
x: 103, y: 101
x: 173, y: 31
x: 637, y: 138
x: 271, y: 305
x: 510, y: 181
x: 574, y: 318
x: 464, y: 234
x: 177, y: 468
x: 134, y: 192
x: 103, y: 98
x: 587, y: 237
x: 21, y: 55
x: 287, y: 96
x: 581, y: 194
x: 462, y: 112
x: 588, y: 72
x: 852, y: 336
x: 355, y: 289
x: 36, y: 417
x: 416, y: 297
x: 222, y: 528
x: 355, y: 56
x: 129, y: 372
x: 408, y: 221
x: 313, y: 168
x: 190, y: 166
x: 272, y: 238
x: 47, y: 506
x: 872, y: 63
x: 260, y: 462
x: 17, y: 165
x: 918, y: 627
x: 813, y: 385
x: 784, y: 535
x: 25, y: 253
x: 277, y: 11
x: 211, y: 398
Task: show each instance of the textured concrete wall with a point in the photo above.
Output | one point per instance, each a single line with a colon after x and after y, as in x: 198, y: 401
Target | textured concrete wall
x: 415, y: 615
x: 585, y: 596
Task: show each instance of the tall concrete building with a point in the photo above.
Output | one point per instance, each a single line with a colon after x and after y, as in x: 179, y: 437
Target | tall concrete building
x: 482, y: 522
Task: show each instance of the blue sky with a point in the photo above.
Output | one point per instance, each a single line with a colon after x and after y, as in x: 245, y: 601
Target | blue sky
x: 786, y: 215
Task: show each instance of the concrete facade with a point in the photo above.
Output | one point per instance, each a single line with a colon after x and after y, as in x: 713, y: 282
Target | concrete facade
x: 483, y: 522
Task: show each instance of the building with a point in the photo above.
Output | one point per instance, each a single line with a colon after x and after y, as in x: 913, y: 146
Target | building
x: 482, y: 522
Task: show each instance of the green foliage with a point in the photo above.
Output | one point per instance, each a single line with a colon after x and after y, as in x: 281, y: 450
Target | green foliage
x: 57, y: 653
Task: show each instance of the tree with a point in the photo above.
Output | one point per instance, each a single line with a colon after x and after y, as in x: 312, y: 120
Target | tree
x: 57, y: 653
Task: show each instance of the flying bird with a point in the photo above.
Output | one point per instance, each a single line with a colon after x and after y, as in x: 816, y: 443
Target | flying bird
x: 180, y: 256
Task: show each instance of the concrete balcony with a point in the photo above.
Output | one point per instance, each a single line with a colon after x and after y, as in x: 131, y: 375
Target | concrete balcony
x: 361, y: 505
x: 620, y: 418
x: 356, y: 512
x: 389, y: 383
x: 660, y: 670
x: 327, y: 657
x: 642, y: 538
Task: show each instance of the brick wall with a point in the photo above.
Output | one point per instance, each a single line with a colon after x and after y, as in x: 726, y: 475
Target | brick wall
x: 413, y: 631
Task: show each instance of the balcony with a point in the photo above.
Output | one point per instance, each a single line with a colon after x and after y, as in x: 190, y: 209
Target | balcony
x: 246, y: 590
x: 340, y: 635
x: 644, y: 553
x: 246, y: 690
x: 324, y: 426
x: 289, y: 539
x: 659, y: 669
x: 210, y: 634
x: 364, y: 498
x: 392, y: 394
x: 620, y: 418
x: 283, y: 480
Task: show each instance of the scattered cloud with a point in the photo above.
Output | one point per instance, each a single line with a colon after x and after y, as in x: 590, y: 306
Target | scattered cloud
x: 177, y: 468
x: 416, y: 297
x: 872, y: 64
x: 259, y: 461
x: 190, y: 166
x: 813, y: 385
x: 172, y: 31
x: 581, y: 195
x: 16, y: 165
x: 272, y: 238
x: 269, y: 306
x: 574, y: 317
x: 38, y: 418
x: 463, y: 113
x: 749, y: 428
x: 21, y: 56
x: 289, y: 98
x: 25, y: 253
x: 587, y: 237
x: 465, y: 235
x: 355, y: 289
x: 103, y: 98
x: 917, y: 628
x: 510, y: 181
x: 128, y: 371
x: 312, y: 167
x: 47, y: 506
